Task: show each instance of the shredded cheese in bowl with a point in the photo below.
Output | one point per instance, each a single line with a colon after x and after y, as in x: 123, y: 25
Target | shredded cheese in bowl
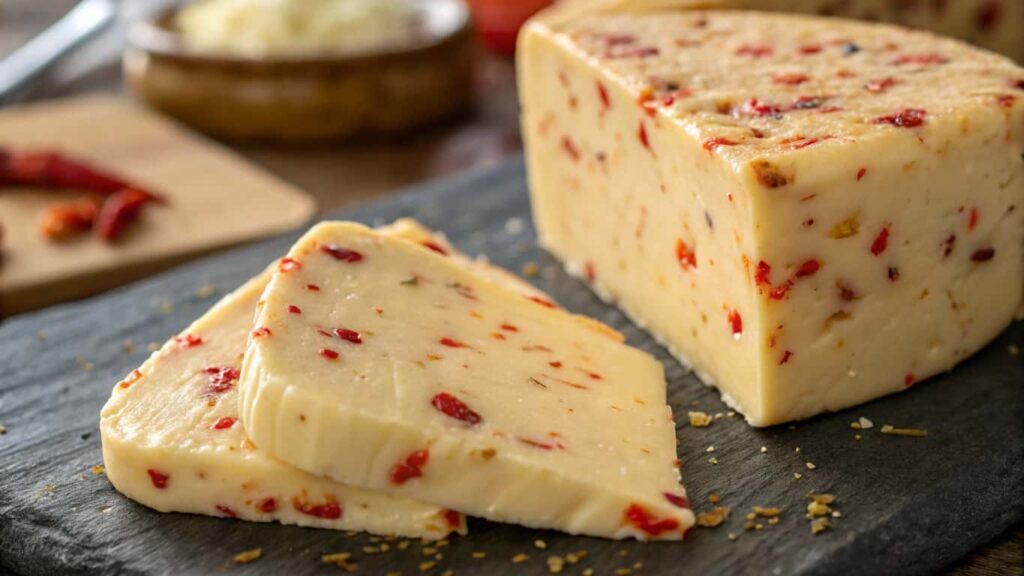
x: 261, y: 28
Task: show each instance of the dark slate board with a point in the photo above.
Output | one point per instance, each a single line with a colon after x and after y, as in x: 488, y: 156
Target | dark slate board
x: 909, y: 505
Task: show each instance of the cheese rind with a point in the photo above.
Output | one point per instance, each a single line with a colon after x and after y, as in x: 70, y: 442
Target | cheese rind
x: 810, y: 212
x: 462, y: 391
x: 171, y: 441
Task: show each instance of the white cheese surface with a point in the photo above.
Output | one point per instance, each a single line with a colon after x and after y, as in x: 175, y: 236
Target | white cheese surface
x: 461, y: 391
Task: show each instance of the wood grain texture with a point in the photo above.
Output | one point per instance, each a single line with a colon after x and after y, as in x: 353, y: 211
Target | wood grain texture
x: 214, y: 199
x: 909, y: 506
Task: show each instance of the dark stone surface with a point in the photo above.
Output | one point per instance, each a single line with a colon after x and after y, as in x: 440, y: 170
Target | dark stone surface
x: 909, y: 505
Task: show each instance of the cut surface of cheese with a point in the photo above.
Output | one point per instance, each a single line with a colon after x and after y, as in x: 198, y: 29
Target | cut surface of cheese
x: 811, y: 212
x: 172, y: 441
x: 464, y: 390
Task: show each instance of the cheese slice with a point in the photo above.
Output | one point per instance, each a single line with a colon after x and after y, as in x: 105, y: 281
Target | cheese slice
x: 811, y: 212
x: 992, y: 24
x: 463, y: 391
x: 172, y: 441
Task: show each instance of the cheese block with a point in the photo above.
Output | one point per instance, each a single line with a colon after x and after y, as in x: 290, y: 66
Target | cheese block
x: 172, y: 441
x: 463, y: 390
x: 810, y: 212
x: 992, y: 24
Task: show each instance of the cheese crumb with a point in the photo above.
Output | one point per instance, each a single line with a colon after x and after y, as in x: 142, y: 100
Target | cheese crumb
x: 588, y: 572
x: 810, y: 465
x: 530, y: 269
x: 865, y: 424
x: 713, y: 517
x: 248, y: 556
x: 819, y: 525
x: 540, y: 544
x: 556, y: 564
x: 764, y: 449
x: 97, y: 469
x: 797, y: 475
x: 909, y: 432
x: 732, y: 536
x: 713, y: 460
x: 427, y: 566
x: 699, y: 419
x: 478, y: 555
x: 3, y: 429
x: 710, y: 449
x: 520, y: 558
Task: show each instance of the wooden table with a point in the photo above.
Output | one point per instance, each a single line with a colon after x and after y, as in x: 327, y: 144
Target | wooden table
x: 341, y: 176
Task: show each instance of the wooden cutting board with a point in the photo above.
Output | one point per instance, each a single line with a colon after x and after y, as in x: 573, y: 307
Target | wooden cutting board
x: 214, y: 199
x: 909, y: 505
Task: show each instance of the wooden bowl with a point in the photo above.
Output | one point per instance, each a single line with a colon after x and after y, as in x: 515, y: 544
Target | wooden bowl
x: 320, y: 97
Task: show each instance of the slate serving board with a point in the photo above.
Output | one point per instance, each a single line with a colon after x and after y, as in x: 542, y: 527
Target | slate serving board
x: 909, y: 505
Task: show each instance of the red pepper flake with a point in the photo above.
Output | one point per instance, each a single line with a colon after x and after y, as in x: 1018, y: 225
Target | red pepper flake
x: 785, y: 357
x: 293, y: 309
x: 779, y: 292
x: 881, y: 242
x: 642, y: 135
x: 267, y: 505
x: 687, y: 258
x: 542, y: 301
x: 509, y: 327
x: 922, y: 59
x: 341, y: 254
x: 328, y: 354
x: 158, y: 478
x: 222, y: 378
x: 452, y: 407
x: 881, y: 85
x: 712, y: 144
x: 541, y: 445
x: 983, y: 254
x: 972, y: 220
x: 226, y: 511
x: 132, y: 378
x: 677, y: 501
x: 225, y: 423
x: 809, y: 49
x: 619, y: 39
x: 536, y: 348
x: 763, y: 274
x: 754, y: 50
x: 908, y: 380
x: 736, y: 323
x: 989, y: 14
x: 589, y: 273
x: 349, y: 335
x: 188, y: 341
x: 800, y: 142
x: 1006, y: 100
x: 948, y: 245
x: 435, y: 247
x: 592, y: 375
x: 288, y: 265
x: 606, y: 101
x: 555, y: 364
x: 411, y: 468
x: 261, y: 332
x: 453, y: 343
x: 453, y: 518
x: 326, y: 511
x: 570, y: 148
x: 906, y: 118
x: 643, y: 520
x: 312, y: 287
x: 755, y: 107
x: 638, y: 52
x: 66, y: 219
x: 861, y: 173
x: 791, y: 79
x: 808, y: 268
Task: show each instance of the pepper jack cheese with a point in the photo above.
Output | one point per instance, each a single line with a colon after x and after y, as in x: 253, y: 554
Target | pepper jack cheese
x: 810, y: 212
x: 461, y: 391
x: 172, y: 441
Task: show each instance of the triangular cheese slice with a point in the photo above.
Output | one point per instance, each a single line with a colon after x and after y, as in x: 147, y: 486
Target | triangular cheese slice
x: 386, y: 365
x: 171, y: 441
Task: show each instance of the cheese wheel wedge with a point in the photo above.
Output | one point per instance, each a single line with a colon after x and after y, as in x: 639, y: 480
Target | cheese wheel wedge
x: 172, y: 441
x: 811, y: 212
x: 461, y: 391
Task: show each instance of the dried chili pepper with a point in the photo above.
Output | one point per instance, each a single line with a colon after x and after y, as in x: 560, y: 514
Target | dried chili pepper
x: 119, y: 210
x: 54, y: 170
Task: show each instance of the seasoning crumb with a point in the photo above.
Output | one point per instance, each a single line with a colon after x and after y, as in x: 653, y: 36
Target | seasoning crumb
x: 42, y: 335
x: 910, y: 432
x: 819, y: 525
x: 531, y: 269
x: 520, y: 558
x: 97, y: 469
x: 713, y: 460
x: 540, y: 544
x: 128, y: 346
x: 248, y: 556
x: 556, y: 564
x: 205, y: 291
x: 714, y: 498
x: 699, y: 419
x: 713, y: 517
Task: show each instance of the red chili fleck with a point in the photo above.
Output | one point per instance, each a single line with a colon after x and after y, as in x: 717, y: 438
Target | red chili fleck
x: 808, y: 268
x: 736, y: 322
x: 881, y: 242
x: 800, y: 142
x: 453, y: 518
x: 678, y: 501
x: 327, y: 511
x: 983, y: 254
x: 779, y: 292
x: 411, y: 468
x: 132, y: 378
x: 435, y: 247
x: 687, y: 258
x: 642, y: 135
x: 289, y: 264
x: 541, y: 445
x: 643, y: 520
x: 453, y: 343
x: 755, y: 107
x: 261, y: 332
x: 509, y: 327
x: 972, y: 219
x: 342, y: 254
x: 861, y: 173
x: 619, y: 39
x: 712, y: 144
x: 188, y: 340
x: 225, y: 423
x: 452, y: 407
x: 222, y: 378
x: 570, y: 148
x: 555, y: 364
x: 589, y: 273
x: 881, y: 85
x: 755, y: 51
x: 810, y: 49
x: 923, y: 59
x: 591, y: 375
x: 328, y: 354
x: 602, y: 92
x: 267, y: 505
x: 908, y: 379
x: 158, y: 478
x: 542, y: 301
x: 226, y: 511
x: 293, y: 309
x: 763, y: 274
x: 791, y: 79
x: 349, y: 335
x: 907, y: 118
x: 785, y: 357
x: 312, y: 287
